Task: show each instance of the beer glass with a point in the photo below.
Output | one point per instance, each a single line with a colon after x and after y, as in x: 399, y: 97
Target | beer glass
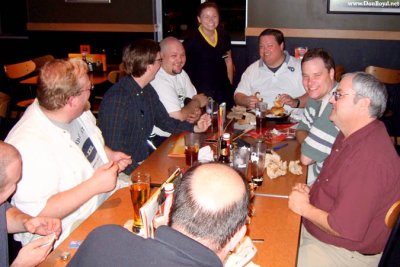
x: 241, y: 159
x: 192, y: 146
x: 261, y: 110
x: 140, y: 192
x: 257, y: 161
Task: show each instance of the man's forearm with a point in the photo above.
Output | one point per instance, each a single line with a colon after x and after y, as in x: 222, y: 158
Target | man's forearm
x: 64, y: 203
x: 16, y: 220
x: 301, y: 135
x: 319, y: 218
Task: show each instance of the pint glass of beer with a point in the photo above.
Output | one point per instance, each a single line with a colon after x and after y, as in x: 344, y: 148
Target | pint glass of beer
x: 140, y: 192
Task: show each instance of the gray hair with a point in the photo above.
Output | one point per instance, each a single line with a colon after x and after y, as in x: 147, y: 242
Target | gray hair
x: 367, y: 86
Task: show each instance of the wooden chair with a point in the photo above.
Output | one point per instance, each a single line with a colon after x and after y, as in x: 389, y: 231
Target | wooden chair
x: 40, y: 61
x: 115, y: 75
x: 391, y: 253
x: 15, y: 73
x: 390, y: 77
x: 339, y: 71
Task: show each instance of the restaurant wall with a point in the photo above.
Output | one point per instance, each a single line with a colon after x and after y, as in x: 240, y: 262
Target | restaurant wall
x: 355, y: 40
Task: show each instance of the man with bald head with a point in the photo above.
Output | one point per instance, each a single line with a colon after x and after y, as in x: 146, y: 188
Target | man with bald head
x: 207, y: 220
x: 174, y: 87
x: 12, y: 220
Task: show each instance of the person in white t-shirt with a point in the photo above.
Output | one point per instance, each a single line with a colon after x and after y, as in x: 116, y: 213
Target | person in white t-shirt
x: 174, y: 87
x: 67, y: 169
x: 276, y: 73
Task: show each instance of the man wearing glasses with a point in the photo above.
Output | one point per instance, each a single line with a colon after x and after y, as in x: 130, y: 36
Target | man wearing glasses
x: 131, y: 108
x: 344, y: 211
x: 67, y: 170
x: 316, y: 132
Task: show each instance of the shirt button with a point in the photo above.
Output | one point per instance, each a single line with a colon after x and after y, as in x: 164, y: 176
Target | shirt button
x: 337, y: 150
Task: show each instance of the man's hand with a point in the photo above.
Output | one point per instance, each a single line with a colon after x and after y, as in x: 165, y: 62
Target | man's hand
x: 121, y: 159
x: 194, y: 116
x: 251, y: 101
x: 106, y: 177
x: 35, y: 252
x: 288, y: 100
x: 203, y: 123
x: 201, y: 98
x: 245, y: 100
x: 299, y: 199
x: 43, y: 226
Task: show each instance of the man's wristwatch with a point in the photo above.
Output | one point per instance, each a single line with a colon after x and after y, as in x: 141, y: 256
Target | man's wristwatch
x: 298, y: 103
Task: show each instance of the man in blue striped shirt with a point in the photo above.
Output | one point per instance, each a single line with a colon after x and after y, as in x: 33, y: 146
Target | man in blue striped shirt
x: 316, y: 132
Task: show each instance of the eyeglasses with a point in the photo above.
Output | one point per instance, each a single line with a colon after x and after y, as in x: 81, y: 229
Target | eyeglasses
x: 338, y: 95
x: 88, y: 89
x: 159, y: 59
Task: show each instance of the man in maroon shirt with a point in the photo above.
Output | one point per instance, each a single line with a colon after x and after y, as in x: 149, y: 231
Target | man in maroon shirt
x: 343, y: 212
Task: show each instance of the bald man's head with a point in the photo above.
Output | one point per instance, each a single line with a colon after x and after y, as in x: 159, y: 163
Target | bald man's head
x: 173, y: 55
x: 210, y: 203
x: 10, y: 170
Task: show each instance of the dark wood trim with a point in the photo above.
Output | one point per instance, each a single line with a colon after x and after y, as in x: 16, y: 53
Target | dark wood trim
x: 331, y: 33
x: 90, y: 27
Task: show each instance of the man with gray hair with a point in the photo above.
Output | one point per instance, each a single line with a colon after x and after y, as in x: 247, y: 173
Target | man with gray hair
x: 207, y: 220
x: 344, y: 211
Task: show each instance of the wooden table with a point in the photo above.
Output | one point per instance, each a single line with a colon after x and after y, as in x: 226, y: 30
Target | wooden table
x: 280, y: 186
x: 95, y: 78
x: 273, y: 222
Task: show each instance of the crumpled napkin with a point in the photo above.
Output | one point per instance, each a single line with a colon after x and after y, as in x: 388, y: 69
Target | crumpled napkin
x: 206, y: 154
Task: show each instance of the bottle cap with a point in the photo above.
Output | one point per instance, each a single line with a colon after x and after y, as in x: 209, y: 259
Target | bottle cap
x: 169, y: 188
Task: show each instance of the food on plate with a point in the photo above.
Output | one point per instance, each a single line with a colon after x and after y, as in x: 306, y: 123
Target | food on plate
x: 239, y: 113
x: 278, y: 109
x: 295, y: 167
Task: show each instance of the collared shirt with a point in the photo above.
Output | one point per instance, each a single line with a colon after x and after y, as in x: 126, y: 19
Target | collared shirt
x: 321, y: 130
x: 357, y: 185
x: 127, y: 115
x: 52, y: 163
x: 286, y: 80
x: 168, y: 248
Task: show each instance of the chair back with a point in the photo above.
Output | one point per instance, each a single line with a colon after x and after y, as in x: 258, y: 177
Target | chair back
x: 40, y: 61
x: 19, y: 70
x: 339, y: 71
x: 387, y: 76
x: 391, y: 255
x: 115, y: 75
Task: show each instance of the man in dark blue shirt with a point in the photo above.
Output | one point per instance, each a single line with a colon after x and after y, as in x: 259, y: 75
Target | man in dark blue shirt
x: 131, y: 108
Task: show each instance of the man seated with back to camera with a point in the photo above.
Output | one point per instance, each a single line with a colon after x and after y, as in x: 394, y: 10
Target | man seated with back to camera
x: 12, y: 220
x: 206, y: 222
x: 344, y: 210
x: 275, y: 74
x: 131, y: 107
x: 174, y: 88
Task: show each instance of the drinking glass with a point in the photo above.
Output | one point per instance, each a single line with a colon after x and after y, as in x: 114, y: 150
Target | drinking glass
x: 257, y: 161
x: 192, y: 146
x: 241, y: 159
x: 261, y: 110
x: 140, y: 192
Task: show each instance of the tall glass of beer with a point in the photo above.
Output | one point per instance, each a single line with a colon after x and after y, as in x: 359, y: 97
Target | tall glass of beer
x: 140, y: 192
